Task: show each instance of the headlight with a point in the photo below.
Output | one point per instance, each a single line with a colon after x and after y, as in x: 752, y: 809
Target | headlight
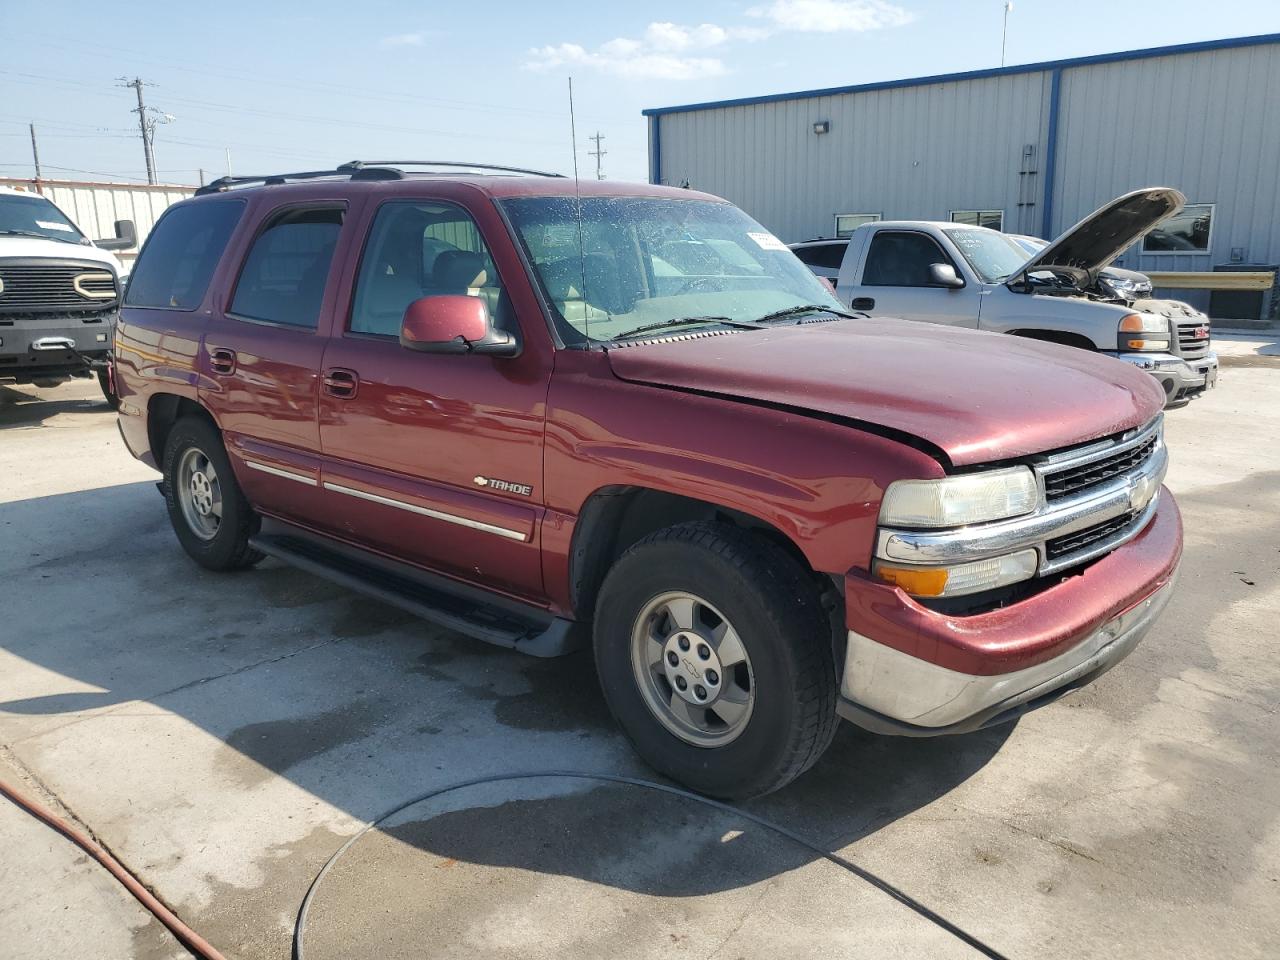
x: 956, y: 501
x: 962, y: 578
x: 1143, y: 331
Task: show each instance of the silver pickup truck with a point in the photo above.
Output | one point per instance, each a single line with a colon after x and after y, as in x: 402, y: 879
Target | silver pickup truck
x: 975, y: 277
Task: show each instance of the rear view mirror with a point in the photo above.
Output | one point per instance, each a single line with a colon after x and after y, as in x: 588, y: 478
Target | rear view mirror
x: 454, y: 323
x: 126, y: 237
x: 944, y: 275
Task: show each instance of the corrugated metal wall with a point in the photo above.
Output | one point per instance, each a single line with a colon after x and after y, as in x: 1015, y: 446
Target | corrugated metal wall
x: 1205, y: 121
x: 95, y: 207
x: 907, y: 153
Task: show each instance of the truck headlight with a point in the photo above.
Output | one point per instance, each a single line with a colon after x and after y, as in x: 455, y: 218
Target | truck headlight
x: 960, y: 500
x: 1143, y: 331
x: 960, y: 578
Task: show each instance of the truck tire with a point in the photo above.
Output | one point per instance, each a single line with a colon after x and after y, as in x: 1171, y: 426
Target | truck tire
x: 209, y: 514
x: 104, y: 381
x: 715, y: 657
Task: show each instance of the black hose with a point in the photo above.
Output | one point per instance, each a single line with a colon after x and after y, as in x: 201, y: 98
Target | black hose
x: 861, y: 872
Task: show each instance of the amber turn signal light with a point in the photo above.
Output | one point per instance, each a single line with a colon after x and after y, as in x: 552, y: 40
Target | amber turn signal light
x: 917, y: 581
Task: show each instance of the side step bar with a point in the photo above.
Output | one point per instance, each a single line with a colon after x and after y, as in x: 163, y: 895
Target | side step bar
x: 496, y: 620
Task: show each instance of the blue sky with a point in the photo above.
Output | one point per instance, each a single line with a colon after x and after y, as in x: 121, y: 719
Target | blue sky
x: 487, y: 81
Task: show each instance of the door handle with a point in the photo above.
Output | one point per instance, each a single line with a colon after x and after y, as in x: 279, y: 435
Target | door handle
x: 863, y: 303
x: 340, y: 382
x: 222, y: 360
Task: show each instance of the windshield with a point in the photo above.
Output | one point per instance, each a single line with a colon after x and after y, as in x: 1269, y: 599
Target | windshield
x: 993, y: 256
x: 649, y: 261
x: 36, y: 216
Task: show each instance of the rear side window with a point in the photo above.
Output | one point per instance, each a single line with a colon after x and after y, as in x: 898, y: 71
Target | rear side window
x: 284, y: 275
x: 183, y: 250
x: 823, y: 255
x: 901, y: 260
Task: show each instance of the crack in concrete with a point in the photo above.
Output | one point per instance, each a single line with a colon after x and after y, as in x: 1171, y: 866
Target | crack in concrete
x: 755, y: 902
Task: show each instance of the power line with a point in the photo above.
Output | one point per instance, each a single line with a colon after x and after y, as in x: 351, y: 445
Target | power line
x: 148, y: 118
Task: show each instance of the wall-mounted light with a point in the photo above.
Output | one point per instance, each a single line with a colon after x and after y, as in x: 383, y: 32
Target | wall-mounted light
x: 822, y: 126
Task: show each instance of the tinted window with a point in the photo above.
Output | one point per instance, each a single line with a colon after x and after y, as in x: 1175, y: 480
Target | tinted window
x: 823, y: 254
x: 284, y: 275
x: 180, y: 255
x: 1187, y: 231
x: 420, y: 250
x: 901, y: 260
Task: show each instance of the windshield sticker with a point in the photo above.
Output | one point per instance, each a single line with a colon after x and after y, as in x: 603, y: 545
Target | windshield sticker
x: 767, y: 241
x: 59, y: 226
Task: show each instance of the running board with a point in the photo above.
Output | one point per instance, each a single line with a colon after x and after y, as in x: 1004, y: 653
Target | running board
x: 496, y: 620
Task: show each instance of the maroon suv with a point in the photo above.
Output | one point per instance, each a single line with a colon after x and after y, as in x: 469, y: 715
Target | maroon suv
x: 537, y: 411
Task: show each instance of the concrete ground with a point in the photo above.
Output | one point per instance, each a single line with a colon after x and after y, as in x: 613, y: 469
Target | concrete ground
x: 224, y: 735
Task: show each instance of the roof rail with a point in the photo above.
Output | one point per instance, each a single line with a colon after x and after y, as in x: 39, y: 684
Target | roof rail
x: 449, y: 164
x: 360, y: 170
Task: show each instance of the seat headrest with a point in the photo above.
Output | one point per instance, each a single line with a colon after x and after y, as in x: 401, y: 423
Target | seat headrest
x: 459, y: 270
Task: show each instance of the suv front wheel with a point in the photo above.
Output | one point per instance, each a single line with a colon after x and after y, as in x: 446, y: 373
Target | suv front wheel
x: 714, y: 654
x: 209, y: 514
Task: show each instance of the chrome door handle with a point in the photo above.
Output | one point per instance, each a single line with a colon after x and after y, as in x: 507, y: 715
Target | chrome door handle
x: 340, y: 382
x: 222, y: 360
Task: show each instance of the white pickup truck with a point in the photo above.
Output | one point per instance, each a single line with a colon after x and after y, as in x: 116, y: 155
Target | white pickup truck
x: 975, y: 277
x: 59, y: 294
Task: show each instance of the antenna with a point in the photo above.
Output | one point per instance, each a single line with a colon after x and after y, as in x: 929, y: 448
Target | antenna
x: 577, y: 197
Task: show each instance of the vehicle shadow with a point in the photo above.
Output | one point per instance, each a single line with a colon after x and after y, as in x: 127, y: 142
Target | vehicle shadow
x: 26, y: 406
x: 357, y: 704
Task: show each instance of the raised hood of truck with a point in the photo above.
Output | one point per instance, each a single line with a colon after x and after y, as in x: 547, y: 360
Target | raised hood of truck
x: 1099, y: 238
x: 977, y: 397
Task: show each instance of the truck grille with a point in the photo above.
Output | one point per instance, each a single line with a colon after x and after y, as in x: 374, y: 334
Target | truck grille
x: 1082, y: 539
x: 1193, y: 339
x: 57, y: 287
x: 1070, y: 480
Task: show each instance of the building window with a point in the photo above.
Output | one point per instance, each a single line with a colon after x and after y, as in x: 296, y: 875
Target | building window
x: 846, y: 223
x: 1187, y: 231
x: 992, y: 219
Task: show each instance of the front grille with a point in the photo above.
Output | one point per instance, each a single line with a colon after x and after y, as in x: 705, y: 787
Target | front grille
x: 1193, y: 339
x: 1089, y: 535
x: 30, y: 287
x: 1072, y: 480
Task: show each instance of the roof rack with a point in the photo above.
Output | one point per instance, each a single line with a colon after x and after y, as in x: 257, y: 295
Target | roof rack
x: 361, y: 170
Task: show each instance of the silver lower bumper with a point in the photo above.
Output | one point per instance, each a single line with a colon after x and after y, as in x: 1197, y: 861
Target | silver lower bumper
x: 888, y: 691
x: 1181, y: 379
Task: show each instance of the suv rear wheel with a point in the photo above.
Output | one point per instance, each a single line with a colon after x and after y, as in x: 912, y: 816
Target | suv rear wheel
x: 209, y: 514
x: 714, y: 654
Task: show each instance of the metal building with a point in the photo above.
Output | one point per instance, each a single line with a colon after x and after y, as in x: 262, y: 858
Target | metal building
x: 1030, y: 149
x: 95, y: 207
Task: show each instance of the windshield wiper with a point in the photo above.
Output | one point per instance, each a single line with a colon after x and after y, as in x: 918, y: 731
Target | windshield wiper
x: 804, y: 308
x: 683, y: 322
x: 37, y: 236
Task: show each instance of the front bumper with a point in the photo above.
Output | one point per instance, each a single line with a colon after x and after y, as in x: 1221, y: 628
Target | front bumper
x: 53, y: 345
x: 913, y: 671
x: 1181, y: 379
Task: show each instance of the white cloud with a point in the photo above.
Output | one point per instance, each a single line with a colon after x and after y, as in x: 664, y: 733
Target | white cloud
x: 404, y: 40
x: 832, y: 16
x: 673, y: 51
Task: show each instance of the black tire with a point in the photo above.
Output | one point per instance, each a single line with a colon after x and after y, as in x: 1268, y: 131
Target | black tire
x: 228, y: 549
x: 776, y: 611
x: 104, y: 381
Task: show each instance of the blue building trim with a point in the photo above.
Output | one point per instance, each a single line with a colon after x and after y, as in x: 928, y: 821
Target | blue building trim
x: 655, y: 139
x: 1057, y: 65
x: 1051, y: 153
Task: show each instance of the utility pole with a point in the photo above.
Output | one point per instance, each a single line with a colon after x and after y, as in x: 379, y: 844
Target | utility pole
x: 202, y: 176
x: 137, y: 84
x: 228, y: 149
x: 35, y: 156
x: 1004, y: 34
x: 597, y: 153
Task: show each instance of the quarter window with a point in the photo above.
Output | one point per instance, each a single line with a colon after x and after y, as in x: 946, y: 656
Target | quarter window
x: 991, y: 219
x: 846, y: 223
x: 1187, y: 231
x: 285, y: 273
x: 419, y: 250
x: 180, y: 255
x: 829, y: 255
x: 901, y: 260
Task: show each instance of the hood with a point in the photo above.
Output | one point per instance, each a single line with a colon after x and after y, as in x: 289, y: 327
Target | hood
x: 1105, y: 234
x: 29, y: 247
x: 977, y: 397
